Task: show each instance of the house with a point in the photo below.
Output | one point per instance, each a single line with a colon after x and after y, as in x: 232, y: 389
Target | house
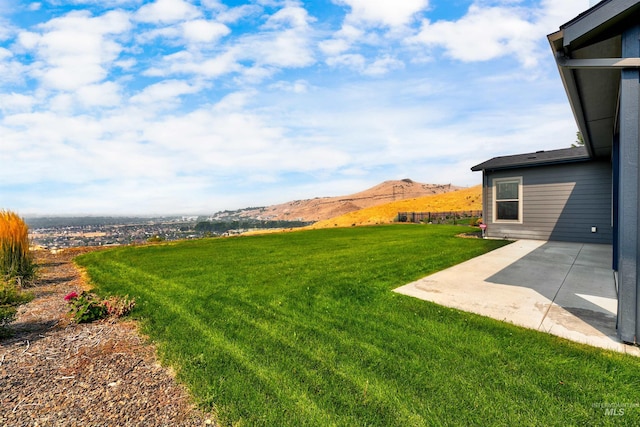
x: 590, y: 193
x: 548, y: 195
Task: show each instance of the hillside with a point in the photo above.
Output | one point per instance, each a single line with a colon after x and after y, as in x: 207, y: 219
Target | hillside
x: 323, y: 208
x: 459, y: 200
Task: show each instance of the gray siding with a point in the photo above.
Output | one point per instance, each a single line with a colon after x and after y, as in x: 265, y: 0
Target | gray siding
x: 560, y: 202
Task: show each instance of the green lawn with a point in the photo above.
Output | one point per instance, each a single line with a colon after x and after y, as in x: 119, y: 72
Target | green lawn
x: 302, y: 329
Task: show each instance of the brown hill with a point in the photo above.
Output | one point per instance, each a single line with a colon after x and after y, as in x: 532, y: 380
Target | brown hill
x: 459, y: 200
x: 323, y: 208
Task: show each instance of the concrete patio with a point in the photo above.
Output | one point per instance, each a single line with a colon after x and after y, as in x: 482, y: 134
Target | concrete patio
x: 565, y: 289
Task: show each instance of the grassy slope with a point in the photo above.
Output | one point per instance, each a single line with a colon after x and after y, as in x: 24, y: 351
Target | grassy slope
x: 461, y: 200
x: 303, y: 329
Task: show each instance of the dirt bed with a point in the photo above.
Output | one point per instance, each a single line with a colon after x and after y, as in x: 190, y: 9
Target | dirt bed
x: 57, y: 373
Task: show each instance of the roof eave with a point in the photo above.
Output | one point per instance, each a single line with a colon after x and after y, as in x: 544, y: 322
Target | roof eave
x: 597, y: 19
x: 556, y: 40
x: 593, y: 95
x: 478, y: 168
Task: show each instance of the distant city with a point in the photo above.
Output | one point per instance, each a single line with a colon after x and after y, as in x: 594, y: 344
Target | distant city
x: 56, y: 233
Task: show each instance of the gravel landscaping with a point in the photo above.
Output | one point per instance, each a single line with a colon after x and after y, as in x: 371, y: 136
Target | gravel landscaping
x: 56, y: 372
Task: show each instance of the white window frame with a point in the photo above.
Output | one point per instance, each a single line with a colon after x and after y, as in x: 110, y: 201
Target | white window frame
x: 495, y: 183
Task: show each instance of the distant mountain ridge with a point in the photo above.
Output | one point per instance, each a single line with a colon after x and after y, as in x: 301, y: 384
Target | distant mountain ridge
x: 321, y: 208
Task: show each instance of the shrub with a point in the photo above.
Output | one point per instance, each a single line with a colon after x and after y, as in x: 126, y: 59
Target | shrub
x: 10, y: 298
x: 15, y: 258
x: 119, y: 306
x: 87, y: 307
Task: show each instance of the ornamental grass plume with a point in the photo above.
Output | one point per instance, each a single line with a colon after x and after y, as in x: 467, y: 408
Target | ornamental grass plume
x: 16, y: 266
x: 15, y: 258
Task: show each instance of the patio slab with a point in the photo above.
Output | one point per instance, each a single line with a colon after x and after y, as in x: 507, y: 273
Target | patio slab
x: 565, y: 289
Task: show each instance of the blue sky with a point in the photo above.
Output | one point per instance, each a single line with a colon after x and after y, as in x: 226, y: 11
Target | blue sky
x: 185, y: 106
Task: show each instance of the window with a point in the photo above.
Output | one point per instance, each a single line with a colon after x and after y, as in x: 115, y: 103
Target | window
x: 507, y: 193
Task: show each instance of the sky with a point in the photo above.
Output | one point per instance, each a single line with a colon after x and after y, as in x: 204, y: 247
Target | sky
x: 132, y: 107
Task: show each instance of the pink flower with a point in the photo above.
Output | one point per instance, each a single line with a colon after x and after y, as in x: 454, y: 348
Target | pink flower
x: 70, y: 296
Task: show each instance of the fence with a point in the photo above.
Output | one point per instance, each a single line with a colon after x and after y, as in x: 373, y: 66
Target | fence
x: 437, y: 217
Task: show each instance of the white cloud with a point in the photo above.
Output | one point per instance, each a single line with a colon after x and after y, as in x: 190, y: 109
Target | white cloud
x: 288, y: 17
x: 235, y: 14
x: 203, y: 31
x: 62, y: 103
x: 352, y: 61
x: 130, y: 149
x: 169, y: 32
x: 341, y: 42
x: 196, y: 32
x: 254, y: 75
x: 334, y: 47
x: 288, y: 42
x: 298, y: 86
x: 196, y: 63
x: 167, y: 11
x: 6, y: 29
x: 283, y: 42
x: 77, y: 49
x: 490, y: 32
x: 234, y: 102
x: 349, y: 32
x: 28, y: 40
x: 359, y: 33
x: 11, y: 70
x: 289, y: 48
x: 126, y: 64
x: 358, y: 63
x: 16, y: 102
x: 99, y: 95
x: 483, y: 34
x: 383, y: 65
x: 54, y: 147
x: 390, y: 13
x: 165, y: 91
x: 102, y: 3
x: 213, y: 4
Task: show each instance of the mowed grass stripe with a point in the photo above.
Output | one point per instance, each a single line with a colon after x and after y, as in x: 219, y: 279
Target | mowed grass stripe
x: 303, y: 329
x: 290, y: 345
x: 271, y: 380
x: 374, y: 391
